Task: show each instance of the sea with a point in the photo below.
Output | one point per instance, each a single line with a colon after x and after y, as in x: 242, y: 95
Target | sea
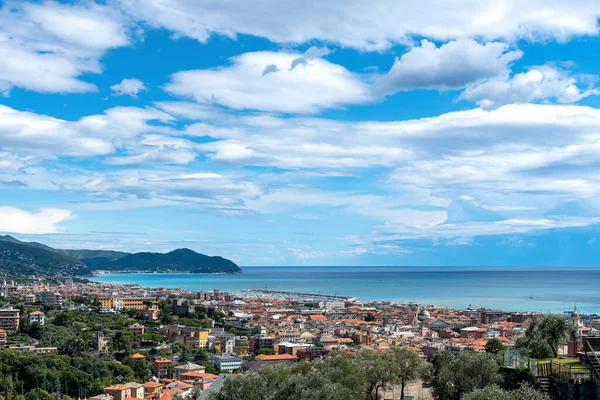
x: 542, y: 289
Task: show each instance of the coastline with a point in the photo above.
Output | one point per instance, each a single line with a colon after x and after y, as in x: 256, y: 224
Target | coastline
x: 551, y: 290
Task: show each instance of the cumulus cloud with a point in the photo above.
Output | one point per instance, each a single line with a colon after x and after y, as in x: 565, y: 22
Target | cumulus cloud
x: 355, y: 23
x: 451, y: 66
x: 45, y: 137
x: 244, y: 85
x: 14, y: 220
x: 47, y: 46
x: 539, y: 83
x: 128, y: 87
x: 323, y: 143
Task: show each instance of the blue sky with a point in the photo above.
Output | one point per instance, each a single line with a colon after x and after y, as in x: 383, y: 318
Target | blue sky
x: 332, y: 133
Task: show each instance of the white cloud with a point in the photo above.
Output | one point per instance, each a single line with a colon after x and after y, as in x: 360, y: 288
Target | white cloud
x: 244, y: 85
x: 28, y: 134
x: 189, y: 110
x: 323, y: 143
x: 451, y: 66
x: 128, y: 87
x: 205, y: 189
x: 358, y: 24
x: 538, y: 84
x: 355, y: 252
x: 157, y: 149
x: 15, y: 220
x: 47, y: 46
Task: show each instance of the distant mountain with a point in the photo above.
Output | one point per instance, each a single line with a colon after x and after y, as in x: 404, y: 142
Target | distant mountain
x: 90, y: 254
x: 20, y: 258
x: 32, y: 258
x: 180, y: 260
x: 9, y: 238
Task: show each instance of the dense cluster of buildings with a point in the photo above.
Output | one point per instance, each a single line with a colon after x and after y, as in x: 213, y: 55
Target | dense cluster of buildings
x: 263, y: 328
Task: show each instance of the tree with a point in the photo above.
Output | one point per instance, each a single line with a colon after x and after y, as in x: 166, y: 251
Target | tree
x: 494, y: 346
x: 543, y: 336
x: 406, y: 366
x: 141, y: 367
x: 266, y: 351
x: 525, y: 392
x: 122, y: 342
x: 57, y: 388
x: 377, y: 370
x: 452, y: 376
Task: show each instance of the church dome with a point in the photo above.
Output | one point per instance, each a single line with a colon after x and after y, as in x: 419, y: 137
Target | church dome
x: 575, y: 313
x: 423, y: 316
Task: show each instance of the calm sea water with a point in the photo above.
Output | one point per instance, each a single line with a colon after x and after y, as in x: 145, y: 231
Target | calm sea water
x: 507, y: 288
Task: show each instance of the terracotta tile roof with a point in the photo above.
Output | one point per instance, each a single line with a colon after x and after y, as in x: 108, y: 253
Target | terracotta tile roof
x: 117, y: 387
x: 198, y: 375
x: 138, y: 355
x: 317, y: 317
x: 273, y: 357
x: 152, y: 385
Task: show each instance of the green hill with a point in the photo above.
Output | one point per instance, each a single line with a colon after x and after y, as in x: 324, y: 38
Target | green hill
x: 89, y: 254
x: 19, y: 258
x: 180, y: 260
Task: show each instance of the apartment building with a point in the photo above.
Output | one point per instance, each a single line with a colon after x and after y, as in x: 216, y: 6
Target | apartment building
x: 9, y: 320
x: 227, y: 362
x: 137, y: 330
x: 161, y: 368
x: 224, y: 342
x: 105, y: 303
x: 51, y: 299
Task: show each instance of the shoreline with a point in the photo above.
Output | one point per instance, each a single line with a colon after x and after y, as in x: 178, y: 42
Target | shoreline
x: 372, y: 290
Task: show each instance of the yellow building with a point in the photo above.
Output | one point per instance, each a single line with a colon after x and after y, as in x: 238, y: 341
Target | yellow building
x: 105, y: 302
x: 135, y: 303
x: 188, y: 335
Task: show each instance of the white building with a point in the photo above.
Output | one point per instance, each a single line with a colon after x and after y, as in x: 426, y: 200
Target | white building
x: 37, y: 317
x: 117, y: 303
x: 227, y: 362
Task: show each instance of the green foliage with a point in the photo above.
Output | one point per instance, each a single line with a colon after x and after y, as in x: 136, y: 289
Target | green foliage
x: 494, y: 346
x: 181, y: 260
x: 525, y: 392
x: 452, y: 376
x: 122, y: 342
x: 543, y: 336
x: 21, y: 258
x: 266, y: 351
x: 339, y: 377
x: 407, y: 366
x: 24, y: 372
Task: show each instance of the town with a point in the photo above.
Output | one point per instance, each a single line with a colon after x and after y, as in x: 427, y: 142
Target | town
x: 160, y: 343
